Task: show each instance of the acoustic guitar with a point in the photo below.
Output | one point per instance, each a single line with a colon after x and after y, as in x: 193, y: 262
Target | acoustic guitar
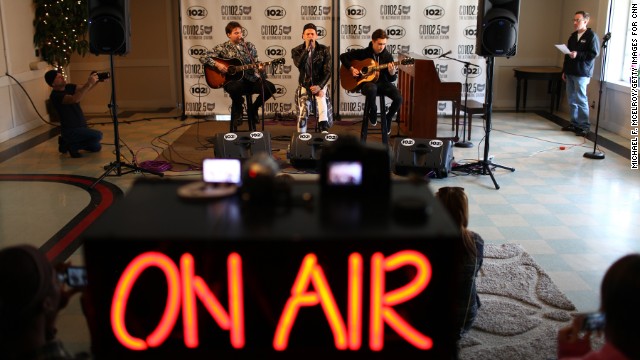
x: 369, y: 71
x: 235, y: 70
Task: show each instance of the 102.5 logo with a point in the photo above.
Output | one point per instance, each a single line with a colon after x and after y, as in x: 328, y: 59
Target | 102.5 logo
x: 355, y: 12
x: 433, y: 12
x: 395, y: 32
x: 197, y: 12
x: 275, y: 12
x: 432, y: 51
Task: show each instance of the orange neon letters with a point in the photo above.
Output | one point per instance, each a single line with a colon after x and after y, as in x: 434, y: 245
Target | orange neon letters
x: 310, y: 272
x: 183, y: 285
x: 381, y: 302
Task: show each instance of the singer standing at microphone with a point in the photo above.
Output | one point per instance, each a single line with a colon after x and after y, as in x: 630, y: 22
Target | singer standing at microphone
x: 253, y: 82
x: 313, y: 60
x: 577, y: 71
x: 384, y: 85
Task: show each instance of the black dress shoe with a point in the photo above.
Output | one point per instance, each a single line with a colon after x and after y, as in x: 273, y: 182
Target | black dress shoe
x: 373, y: 117
x: 324, y: 127
x: 582, y: 132
x: 75, y: 154
x: 62, y: 145
x: 569, y: 127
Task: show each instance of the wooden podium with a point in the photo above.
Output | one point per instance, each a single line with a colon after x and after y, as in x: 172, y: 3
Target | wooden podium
x: 421, y: 90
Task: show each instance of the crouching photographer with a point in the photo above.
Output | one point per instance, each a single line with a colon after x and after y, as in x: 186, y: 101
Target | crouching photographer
x: 65, y: 99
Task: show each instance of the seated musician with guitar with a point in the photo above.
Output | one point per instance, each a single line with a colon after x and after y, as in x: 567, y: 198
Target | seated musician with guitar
x: 378, y: 83
x: 313, y: 60
x: 223, y: 59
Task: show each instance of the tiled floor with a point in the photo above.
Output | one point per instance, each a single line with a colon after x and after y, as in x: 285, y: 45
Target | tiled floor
x: 574, y: 215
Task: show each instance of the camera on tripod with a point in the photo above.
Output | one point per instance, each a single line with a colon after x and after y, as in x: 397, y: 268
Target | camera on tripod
x: 102, y: 76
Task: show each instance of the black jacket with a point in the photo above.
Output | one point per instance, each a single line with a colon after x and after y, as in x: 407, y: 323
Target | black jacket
x: 384, y: 57
x: 322, y: 64
x: 587, y: 48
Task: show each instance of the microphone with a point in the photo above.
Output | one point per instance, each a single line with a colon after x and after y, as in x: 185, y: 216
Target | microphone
x: 606, y: 37
x: 445, y: 54
x: 311, y: 45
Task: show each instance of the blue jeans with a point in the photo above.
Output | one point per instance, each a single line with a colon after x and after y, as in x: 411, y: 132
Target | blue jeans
x: 578, y: 101
x: 82, y: 139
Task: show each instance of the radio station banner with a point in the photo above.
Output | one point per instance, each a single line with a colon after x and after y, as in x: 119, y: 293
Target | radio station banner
x: 425, y: 28
x: 274, y: 26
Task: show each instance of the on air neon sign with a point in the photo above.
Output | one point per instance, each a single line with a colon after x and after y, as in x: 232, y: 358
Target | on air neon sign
x: 309, y: 289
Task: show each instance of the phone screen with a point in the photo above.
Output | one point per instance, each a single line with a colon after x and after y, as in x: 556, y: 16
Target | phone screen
x: 345, y: 173
x: 593, y: 321
x: 221, y: 171
x: 76, y: 276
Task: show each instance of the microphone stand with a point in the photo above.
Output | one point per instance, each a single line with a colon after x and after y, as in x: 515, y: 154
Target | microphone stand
x: 598, y: 155
x: 312, y: 106
x: 463, y: 143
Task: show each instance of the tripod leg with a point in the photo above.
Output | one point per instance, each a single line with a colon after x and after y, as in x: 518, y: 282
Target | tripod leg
x: 485, y: 170
x: 503, y: 167
x: 114, y: 166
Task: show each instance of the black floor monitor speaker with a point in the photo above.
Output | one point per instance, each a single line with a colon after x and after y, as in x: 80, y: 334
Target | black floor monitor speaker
x: 241, y: 145
x: 109, y: 27
x: 422, y: 156
x: 305, y: 149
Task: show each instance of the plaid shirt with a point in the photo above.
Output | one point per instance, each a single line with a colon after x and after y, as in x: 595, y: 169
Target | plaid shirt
x: 228, y: 50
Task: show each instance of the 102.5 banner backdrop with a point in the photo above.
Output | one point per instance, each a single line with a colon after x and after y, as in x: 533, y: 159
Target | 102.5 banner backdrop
x: 425, y: 29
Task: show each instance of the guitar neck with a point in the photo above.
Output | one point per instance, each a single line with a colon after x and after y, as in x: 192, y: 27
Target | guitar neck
x: 251, y: 66
x: 380, y: 67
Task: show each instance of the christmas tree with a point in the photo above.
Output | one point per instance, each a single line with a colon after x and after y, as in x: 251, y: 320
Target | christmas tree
x: 60, y: 30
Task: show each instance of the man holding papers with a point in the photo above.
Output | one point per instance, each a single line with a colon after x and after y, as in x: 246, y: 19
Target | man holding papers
x: 577, y: 71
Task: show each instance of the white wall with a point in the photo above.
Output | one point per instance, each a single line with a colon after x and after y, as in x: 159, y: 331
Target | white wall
x: 17, y: 52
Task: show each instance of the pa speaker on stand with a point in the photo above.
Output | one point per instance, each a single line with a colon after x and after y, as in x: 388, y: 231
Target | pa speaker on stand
x: 109, y: 27
x: 497, y: 27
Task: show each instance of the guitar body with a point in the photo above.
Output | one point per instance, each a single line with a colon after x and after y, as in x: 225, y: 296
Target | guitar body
x: 367, y: 74
x: 215, y: 79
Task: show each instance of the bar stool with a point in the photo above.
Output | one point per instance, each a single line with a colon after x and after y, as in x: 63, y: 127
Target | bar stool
x: 473, y: 107
x: 246, y: 116
x: 383, y: 121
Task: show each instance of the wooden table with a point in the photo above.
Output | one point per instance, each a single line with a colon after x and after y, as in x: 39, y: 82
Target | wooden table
x: 552, y: 74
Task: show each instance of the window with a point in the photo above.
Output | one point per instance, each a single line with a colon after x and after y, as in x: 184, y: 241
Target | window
x: 619, y: 47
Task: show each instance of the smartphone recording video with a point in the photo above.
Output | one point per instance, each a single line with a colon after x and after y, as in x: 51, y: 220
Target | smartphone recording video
x: 593, y: 322
x: 74, y: 276
x: 222, y: 171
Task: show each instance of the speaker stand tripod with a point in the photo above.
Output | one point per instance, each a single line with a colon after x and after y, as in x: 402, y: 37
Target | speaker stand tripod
x: 116, y: 166
x: 485, y: 163
x: 463, y: 143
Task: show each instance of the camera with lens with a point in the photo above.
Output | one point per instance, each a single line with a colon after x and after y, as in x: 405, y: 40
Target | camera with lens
x: 102, y: 76
x: 350, y: 170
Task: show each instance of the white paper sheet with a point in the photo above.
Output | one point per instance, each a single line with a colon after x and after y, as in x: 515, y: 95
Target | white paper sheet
x: 563, y: 48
